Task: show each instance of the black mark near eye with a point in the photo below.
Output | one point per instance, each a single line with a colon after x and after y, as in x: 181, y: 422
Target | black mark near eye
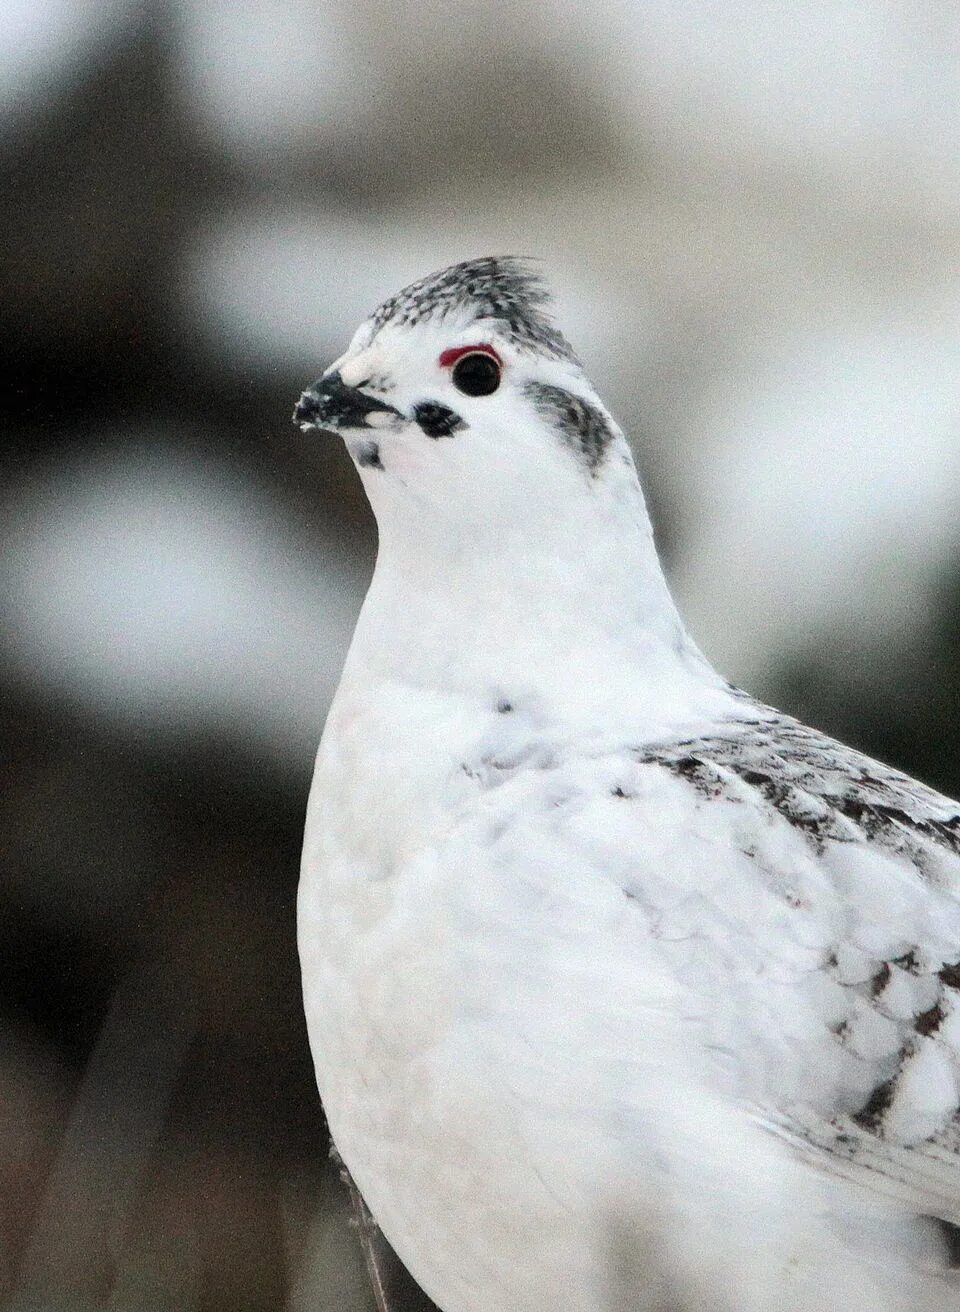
x: 436, y: 420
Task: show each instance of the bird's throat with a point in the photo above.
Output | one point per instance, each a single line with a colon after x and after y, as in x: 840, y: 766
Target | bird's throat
x: 586, y: 624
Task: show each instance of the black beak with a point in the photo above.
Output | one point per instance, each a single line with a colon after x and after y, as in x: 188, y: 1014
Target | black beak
x: 330, y: 403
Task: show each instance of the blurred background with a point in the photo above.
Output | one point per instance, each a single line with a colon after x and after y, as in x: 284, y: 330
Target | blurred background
x: 751, y: 215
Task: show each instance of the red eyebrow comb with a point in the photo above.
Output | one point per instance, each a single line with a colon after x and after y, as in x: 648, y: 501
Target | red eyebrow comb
x: 450, y: 358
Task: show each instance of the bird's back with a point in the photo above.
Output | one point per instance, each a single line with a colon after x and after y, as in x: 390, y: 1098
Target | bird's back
x: 827, y: 896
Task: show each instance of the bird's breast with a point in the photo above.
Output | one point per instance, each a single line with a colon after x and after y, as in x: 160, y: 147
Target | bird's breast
x: 397, y: 773
x: 415, y: 990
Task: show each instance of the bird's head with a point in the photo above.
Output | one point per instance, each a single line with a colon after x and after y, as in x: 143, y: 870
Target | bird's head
x: 460, y: 402
x: 514, y: 542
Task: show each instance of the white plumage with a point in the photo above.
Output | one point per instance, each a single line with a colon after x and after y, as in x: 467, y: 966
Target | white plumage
x: 624, y: 991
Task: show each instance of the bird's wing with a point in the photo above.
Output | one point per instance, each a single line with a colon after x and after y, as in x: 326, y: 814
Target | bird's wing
x: 808, y: 899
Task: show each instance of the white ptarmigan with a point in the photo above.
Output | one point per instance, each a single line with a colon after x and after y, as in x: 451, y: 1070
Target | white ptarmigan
x: 624, y: 991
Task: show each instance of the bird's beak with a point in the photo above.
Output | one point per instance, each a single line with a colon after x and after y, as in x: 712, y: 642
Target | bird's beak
x: 330, y: 403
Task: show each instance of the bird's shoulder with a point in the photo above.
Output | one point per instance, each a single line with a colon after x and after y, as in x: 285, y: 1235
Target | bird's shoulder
x: 809, y: 899
x: 816, y: 784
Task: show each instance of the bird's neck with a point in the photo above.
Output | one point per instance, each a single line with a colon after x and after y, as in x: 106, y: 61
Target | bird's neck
x: 573, y: 613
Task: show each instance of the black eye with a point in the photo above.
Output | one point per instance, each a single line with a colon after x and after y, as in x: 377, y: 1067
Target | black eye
x: 476, y: 374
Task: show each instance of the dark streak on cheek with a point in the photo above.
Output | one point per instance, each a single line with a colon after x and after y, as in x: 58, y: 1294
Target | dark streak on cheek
x: 437, y: 420
x: 580, y: 424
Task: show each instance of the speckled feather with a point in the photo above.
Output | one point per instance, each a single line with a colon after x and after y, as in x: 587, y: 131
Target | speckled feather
x: 581, y: 424
x: 897, y: 1008
x: 500, y: 288
x: 625, y: 991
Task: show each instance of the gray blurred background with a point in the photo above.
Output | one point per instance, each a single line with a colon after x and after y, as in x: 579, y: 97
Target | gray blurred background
x: 751, y: 215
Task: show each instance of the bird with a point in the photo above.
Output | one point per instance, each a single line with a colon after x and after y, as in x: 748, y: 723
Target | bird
x: 626, y: 992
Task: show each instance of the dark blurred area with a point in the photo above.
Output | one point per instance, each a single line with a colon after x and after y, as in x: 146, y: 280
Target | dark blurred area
x: 199, y: 203
x: 162, y: 1142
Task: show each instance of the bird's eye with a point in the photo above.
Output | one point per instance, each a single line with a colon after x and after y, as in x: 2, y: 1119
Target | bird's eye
x: 476, y: 374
